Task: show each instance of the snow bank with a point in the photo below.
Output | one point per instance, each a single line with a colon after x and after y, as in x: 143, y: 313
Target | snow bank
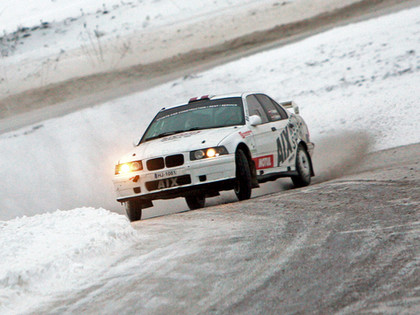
x: 54, y: 253
x: 362, y: 77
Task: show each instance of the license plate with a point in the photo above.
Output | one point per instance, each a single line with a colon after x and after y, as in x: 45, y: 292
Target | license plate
x: 166, y: 174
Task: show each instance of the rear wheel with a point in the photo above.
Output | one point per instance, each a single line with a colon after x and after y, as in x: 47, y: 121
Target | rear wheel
x: 133, y: 209
x: 303, y: 168
x: 243, y: 183
x: 195, y: 202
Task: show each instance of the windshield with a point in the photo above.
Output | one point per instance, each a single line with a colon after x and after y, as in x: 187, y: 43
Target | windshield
x: 195, y: 116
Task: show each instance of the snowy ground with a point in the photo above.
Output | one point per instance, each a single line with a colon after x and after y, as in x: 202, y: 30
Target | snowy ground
x: 363, y: 77
x: 47, y: 38
x: 50, y: 253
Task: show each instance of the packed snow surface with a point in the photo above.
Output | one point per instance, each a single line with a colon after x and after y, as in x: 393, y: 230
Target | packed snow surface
x: 362, y: 77
x: 46, y: 255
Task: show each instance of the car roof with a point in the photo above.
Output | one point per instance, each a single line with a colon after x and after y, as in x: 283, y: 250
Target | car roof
x: 214, y: 97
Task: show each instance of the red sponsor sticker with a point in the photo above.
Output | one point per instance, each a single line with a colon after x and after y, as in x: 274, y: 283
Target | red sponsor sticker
x: 135, y: 178
x: 245, y: 134
x: 262, y: 162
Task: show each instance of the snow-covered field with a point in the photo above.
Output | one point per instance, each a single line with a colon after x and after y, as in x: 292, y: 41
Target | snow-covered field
x: 362, y: 77
x: 48, y: 40
x: 32, y: 29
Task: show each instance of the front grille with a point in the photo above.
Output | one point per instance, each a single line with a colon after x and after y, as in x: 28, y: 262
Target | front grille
x: 168, y: 182
x: 155, y: 164
x: 169, y: 161
x: 174, y: 160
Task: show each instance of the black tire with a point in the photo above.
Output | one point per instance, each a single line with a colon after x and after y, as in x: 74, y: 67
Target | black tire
x: 303, y: 168
x: 133, y: 209
x: 195, y: 202
x: 243, y: 184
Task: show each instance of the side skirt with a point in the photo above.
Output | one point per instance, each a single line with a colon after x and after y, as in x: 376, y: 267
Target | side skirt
x: 274, y: 176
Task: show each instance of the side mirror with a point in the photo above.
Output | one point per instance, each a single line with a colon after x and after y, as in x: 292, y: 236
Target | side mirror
x: 296, y: 109
x: 136, y: 142
x: 255, y: 120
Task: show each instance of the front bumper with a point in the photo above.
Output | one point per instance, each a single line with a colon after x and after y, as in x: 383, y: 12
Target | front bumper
x: 176, y: 181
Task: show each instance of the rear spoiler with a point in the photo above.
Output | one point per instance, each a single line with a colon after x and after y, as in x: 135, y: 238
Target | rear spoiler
x: 291, y: 105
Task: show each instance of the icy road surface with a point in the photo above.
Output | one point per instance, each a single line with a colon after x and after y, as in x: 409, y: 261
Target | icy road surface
x: 349, y: 246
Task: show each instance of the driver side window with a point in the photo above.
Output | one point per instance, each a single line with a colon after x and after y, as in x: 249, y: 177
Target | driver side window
x: 255, y: 108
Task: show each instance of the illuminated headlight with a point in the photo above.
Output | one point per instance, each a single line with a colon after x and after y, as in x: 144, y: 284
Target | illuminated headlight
x: 207, y: 153
x: 128, y: 167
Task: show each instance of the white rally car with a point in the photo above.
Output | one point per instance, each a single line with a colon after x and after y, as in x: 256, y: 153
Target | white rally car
x: 211, y: 144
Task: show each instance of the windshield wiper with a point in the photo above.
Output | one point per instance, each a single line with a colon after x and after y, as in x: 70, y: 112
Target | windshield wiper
x: 167, y: 133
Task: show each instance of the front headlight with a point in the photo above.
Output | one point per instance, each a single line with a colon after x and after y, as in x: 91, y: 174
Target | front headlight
x: 128, y: 167
x: 207, y: 153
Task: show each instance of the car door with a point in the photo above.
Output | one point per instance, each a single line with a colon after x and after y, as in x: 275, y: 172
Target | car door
x: 284, y: 147
x: 264, y: 136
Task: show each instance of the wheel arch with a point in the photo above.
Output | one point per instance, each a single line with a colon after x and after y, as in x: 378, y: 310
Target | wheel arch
x: 242, y: 146
x: 303, y: 143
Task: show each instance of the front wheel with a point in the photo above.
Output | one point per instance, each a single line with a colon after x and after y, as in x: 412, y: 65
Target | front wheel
x: 303, y: 168
x: 195, y: 202
x: 134, y: 210
x: 243, y: 181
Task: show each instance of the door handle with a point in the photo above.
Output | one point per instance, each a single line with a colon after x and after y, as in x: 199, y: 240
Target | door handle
x: 273, y: 128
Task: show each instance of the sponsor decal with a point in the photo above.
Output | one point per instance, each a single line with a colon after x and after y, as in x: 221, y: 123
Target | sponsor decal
x: 181, y: 135
x: 135, y: 179
x: 196, y: 108
x: 294, y: 136
x: 284, y: 147
x: 245, y: 134
x: 263, y: 162
x: 167, y: 183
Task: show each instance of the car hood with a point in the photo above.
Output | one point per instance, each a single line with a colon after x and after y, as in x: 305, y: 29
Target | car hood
x: 178, y: 143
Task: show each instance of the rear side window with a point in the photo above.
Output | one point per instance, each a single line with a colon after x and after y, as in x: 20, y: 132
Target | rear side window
x: 281, y: 110
x: 272, y: 111
x: 255, y: 108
